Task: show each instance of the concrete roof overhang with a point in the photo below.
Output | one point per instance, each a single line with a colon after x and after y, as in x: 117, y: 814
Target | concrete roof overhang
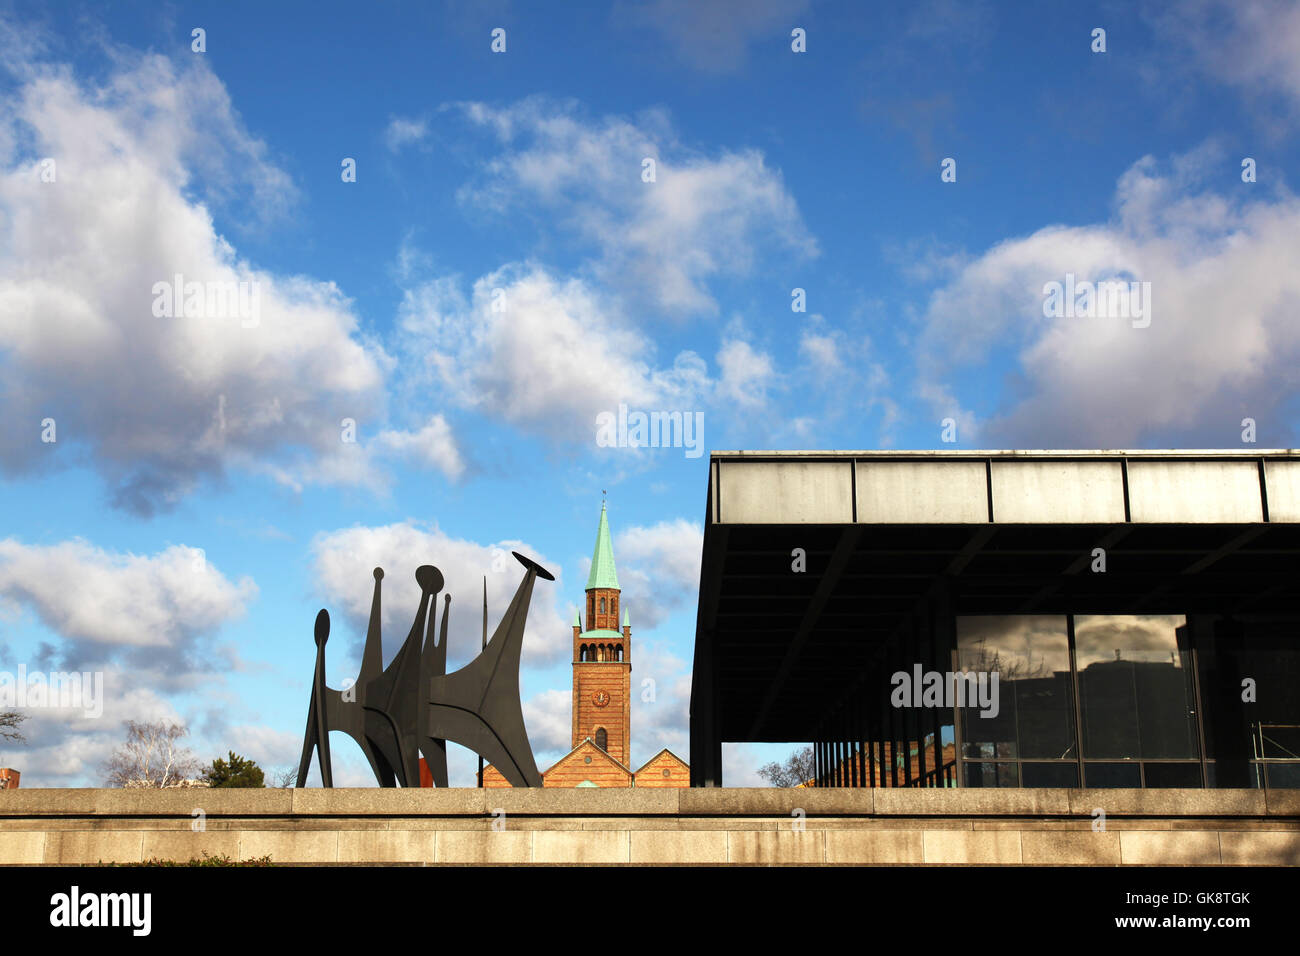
x: 1000, y: 531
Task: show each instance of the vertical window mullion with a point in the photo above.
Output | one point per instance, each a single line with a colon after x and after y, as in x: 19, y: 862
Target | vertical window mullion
x: 1078, y: 701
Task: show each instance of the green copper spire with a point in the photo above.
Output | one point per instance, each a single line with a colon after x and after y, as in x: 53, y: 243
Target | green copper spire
x: 602, y: 574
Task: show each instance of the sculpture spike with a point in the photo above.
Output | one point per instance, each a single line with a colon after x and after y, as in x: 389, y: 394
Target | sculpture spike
x: 435, y: 665
x: 478, y: 706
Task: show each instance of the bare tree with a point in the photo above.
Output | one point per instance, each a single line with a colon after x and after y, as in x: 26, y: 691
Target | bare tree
x: 798, y: 769
x: 9, y: 721
x: 151, y: 757
x: 284, y: 778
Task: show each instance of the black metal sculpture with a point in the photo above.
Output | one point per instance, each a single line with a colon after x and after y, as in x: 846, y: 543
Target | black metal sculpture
x: 414, y: 706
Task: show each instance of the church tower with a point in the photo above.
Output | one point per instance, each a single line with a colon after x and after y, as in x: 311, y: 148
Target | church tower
x: 602, y: 658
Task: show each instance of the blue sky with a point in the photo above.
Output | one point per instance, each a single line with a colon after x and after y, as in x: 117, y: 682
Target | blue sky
x: 199, y: 502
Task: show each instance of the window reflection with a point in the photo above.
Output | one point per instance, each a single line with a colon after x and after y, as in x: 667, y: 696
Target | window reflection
x: 1135, y: 689
x: 1136, y: 701
x: 1035, y: 712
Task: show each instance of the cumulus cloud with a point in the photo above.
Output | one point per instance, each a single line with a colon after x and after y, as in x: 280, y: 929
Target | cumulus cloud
x: 659, y: 568
x: 740, y: 763
x: 1222, y: 343
x: 548, y: 354
x: 432, y: 445
x: 138, y: 627
x: 344, y: 560
x: 151, y: 610
x: 703, y: 217
x: 746, y: 373
x: 1250, y: 44
x: 66, y: 748
x: 549, y: 719
x: 270, y: 748
x: 661, y: 701
x: 87, y: 260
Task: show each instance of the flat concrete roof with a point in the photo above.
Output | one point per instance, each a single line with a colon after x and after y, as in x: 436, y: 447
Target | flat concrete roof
x: 1230, y: 486
x: 1017, y: 453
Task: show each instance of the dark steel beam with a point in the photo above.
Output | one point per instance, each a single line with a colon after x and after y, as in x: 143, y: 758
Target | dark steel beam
x: 844, y: 549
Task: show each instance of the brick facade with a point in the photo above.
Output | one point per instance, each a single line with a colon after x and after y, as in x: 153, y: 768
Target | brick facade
x: 602, y: 609
x: 664, y: 769
x: 602, y: 701
x: 587, y: 765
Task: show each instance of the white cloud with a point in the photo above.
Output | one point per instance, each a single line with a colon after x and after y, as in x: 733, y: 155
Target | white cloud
x: 1251, y: 44
x: 270, y: 748
x: 1222, y: 344
x: 80, y: 258
x: 658, y: 568
x: 344, y: 560
x: 99, y: 601
x: 402, y: 132
x: 740, y: 763
x: 432, y: 445
x: 549, y: 719
x: 661, y: 701
x: 746, y: 373
x: 703, y: 217
x: 142, y: 627
x: 556, y: 356
x: 66, y: 748
x: 843, y: 366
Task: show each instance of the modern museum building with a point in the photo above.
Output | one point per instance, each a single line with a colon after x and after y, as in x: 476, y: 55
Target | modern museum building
x: 1004, y: 618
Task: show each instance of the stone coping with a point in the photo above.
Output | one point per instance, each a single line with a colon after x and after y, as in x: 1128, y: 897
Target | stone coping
x: 701, y: 802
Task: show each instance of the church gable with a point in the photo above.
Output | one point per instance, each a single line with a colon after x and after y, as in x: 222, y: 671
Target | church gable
x: 493, y: 778
x: 587, y: 765
x: 664, y: 769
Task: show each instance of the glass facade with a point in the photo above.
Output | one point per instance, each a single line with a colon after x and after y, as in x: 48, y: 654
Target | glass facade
x: 1030, y: 737
x: 1137, y: 697
x: 1270, y: 663
x: 1074, y: 700
x: 1119, y: 701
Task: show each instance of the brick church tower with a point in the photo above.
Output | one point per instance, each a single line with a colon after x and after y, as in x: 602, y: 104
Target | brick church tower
x: 602, y: 658
x: 602, y: 694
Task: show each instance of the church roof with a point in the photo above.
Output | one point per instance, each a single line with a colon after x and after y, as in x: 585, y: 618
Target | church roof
x: 594, y: 746
x: 614, y: 760
x: 602, y: 573
x: 660, y: 754
x: 601, y: 632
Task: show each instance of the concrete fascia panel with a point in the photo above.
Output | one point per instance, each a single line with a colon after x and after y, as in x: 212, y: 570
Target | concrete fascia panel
x: 1058, y: 492
x: 1283, y: 481
x: 922, y: 492
x: 791, y: 492
x: 1194, y: 492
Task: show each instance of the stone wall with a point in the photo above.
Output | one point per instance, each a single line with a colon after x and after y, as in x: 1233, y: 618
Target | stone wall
x: 632, y: 825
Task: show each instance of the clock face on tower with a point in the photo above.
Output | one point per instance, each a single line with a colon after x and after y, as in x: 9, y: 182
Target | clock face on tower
x: 600, y: 698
